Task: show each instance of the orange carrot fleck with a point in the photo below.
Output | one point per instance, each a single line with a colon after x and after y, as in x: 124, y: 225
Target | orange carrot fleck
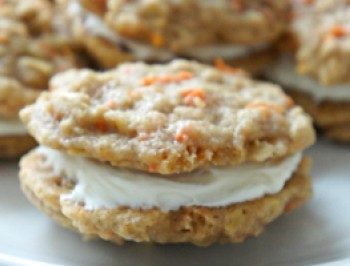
x: 335, y: 32
x: 101, y: 125
x: 338, y: 31
x: 153, y: 167
x: 190, y: 95
x: 156, y: 39
x: 289, y: 102
x: 147, y: 81
x: 266, y: 107
x: 182, y: 135
x: 220, y: 64
x: 184, y: 75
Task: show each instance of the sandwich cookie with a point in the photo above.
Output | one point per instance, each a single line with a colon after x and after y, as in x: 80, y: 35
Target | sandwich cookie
x: 239, y: 32
x: 32, y: 49
x: 317, y: 72
x: 173, y: 153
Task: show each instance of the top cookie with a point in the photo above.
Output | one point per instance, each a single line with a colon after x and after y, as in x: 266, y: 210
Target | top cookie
x: 32, y: 49
x: 183, y: 24
x: 323, y: 32
x: 168, y: 118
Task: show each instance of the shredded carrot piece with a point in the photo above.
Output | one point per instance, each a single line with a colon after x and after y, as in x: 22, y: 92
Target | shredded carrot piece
x: 193, y: 93
x: 266, y: 107
x: 220, y: 64
x: 156, y: 39
x: 180, y: 137
x: 101, y: 125
x: 149, y: 81
x: 335, y: 32
x: 153, y: 167
x: 190, y: 95
x: 184, y: 75
x: 289, y: 102
x: 338, y: 31
x: 167, y: 78
x: 184, y: 133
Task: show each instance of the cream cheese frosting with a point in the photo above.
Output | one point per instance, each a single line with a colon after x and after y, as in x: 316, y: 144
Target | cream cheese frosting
x: 12, y: 127
x: 94, y: 25
x: 284, y: 73
x: 99, y: 185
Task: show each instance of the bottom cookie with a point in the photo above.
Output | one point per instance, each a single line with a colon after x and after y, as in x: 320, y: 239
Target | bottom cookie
x: 198, y: 225
x: 331, y: 117
x: 15, y: 146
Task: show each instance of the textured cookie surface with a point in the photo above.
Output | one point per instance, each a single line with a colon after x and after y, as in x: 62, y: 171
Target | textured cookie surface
x: 323, y: 32
x: 332, y: 117
x: 197, y: 225
x: 110, y: 49
x: 83, y: 26
x: 180, y: 25
x: 31, y: 50
x: 168, y: 118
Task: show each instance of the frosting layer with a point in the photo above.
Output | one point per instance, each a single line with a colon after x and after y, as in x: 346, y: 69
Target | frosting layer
x: 102, y: 186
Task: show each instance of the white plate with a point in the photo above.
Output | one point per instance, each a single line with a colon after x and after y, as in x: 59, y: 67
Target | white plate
x: 317, y: 233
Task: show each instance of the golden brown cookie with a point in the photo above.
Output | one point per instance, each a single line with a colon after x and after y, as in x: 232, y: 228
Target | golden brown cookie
x: 198, y: 225
x: 172, y: 153
x: 324, y: 41
x: 184, y: 24
x: 31, y: 50
x: 168, y: 118
x: 332, y: 117
x: 110, y: 48
x: 33, y: 47
x: 315, y: 69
